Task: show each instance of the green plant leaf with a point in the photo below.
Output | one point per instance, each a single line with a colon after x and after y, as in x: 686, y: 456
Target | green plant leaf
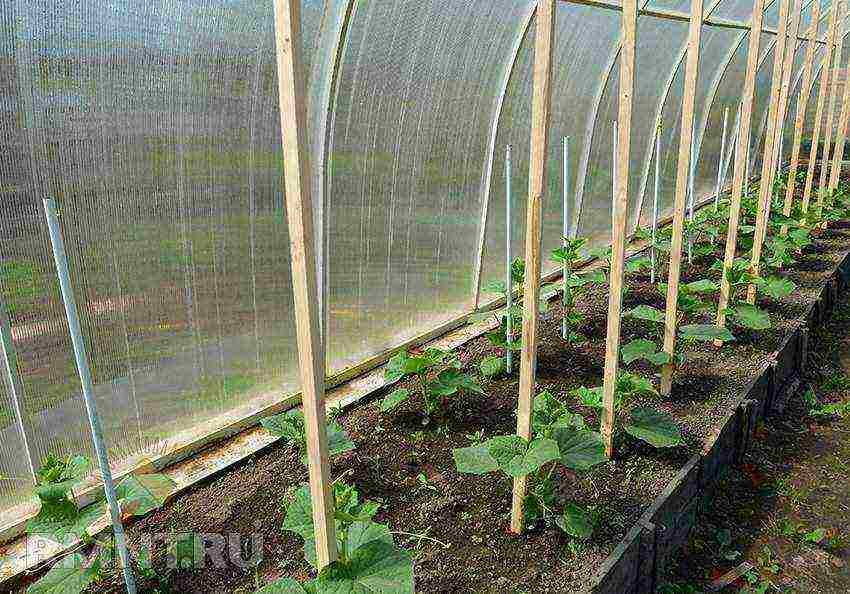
x: 187, y: 550
x: 659, y: 358
x: 71, y: 575
x: 655, y: 427
x: 450, y: 381
x: 637, y: 349
x: 376, y: 568
x: 590, y: 397
x: 289, y: 425
x: 61, y: 519
x: 579, y: 450
x: 494, y: 286
x: 750, y: 316
x: 575, y: 522
x: 474, y: 459
x: 705, y: 332
x: 338, y: 440
x: 299, y: 514
x: 394, y: 398
x: 282, y: 586
x: 645, y: 312
x: 492, y: 366
x: 776, y: 287
x: 140, y: 495
x: 702, y: 286
x: 359, y: 534
x: 516, y: 458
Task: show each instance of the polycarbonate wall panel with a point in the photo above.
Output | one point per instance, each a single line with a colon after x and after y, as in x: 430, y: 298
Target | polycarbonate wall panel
x: 418, y: 85
x: 155, y: 127
x: 722, y: 45
x: 584, y: 44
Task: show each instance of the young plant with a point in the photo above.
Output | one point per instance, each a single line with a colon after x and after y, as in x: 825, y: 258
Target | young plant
x: 508, y: 335
x: 646, y: 423
x: 574, y: 284
x: 558, y: 437
x: 368, y: 561
x: 739, y: 311
x: 290, y: 427
x: 62, y: 520
x: 437, y: 375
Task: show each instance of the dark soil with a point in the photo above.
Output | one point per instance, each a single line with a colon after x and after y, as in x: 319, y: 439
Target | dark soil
x: 410, y: 469
x: 785, y: 510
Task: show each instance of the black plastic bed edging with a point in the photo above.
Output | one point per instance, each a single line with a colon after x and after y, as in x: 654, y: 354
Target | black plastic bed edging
x: 637, y: 562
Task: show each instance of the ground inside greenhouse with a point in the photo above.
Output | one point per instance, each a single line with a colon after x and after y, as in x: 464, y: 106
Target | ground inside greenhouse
x: 454, y: 524
x: 786, y: 509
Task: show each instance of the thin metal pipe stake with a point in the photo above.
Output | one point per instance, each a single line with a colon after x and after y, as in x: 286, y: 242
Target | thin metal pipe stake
x: 508, y: 280
x: 720, y: 161
x: 13, y: 381
x: 566, y: 234
x: 652, y: 254
x: 88, y: 389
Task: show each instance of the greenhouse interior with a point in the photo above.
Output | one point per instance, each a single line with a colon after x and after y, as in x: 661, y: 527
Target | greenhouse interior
x: 350, y: 296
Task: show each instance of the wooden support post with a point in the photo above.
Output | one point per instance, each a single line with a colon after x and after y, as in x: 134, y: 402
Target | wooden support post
x: 741, y: 164
x: 543, y: 47
x: 785, y: 89
x: 802, y: 103
x: 682, y: 177
x: 838, y: 40
x: 770, y: 138
x: 618, y: 227
x: 299, y: 210
x: 824, y: 84
x: 840, y: 136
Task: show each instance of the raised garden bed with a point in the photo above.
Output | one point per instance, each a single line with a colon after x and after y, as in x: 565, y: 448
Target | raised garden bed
x: 455, y: 524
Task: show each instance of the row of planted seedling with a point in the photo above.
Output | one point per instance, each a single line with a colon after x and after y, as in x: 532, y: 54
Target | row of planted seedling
x: 561, y: 437
x: 368, y: 555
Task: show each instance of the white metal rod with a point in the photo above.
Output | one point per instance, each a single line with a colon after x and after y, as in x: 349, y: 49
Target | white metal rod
x: 13, y: 382
x: 566, y: 233
x: 732, y: 146
x: 509, y: 288
x: 652, y: 254
x: 717, y: 186
x: 88, y: 389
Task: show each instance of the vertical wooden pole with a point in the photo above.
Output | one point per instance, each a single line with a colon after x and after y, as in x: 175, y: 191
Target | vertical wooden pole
x: 542, y: 82
x: 802, y: 103
x: 785, y: 89
x: 618, y: 227
x: 838, y: 40
x: 682, y: 182
x: 824, y: 83
x: 840, y: 135
x: 743, y: 143
x: 770, y: 138
x: 299, y: 210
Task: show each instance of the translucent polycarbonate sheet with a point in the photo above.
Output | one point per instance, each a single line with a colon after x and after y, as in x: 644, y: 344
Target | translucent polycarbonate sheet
x: 585, y: 40
x: 655, y: 59
x: 741, y: 10
x: 418, y: 85
x: 680, y: 5
x: 761, y: 102
x: 718, y: 45
x: 155, y: 127
x: 14, y: 469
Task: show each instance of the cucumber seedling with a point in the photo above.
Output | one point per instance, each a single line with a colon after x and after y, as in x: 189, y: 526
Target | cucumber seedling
x: 437, y: 374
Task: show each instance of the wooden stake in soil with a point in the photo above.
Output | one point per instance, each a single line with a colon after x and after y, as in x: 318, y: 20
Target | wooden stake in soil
x: 299, y: 209
x: 770, y: 137
x: 536, y: 183
x: 838, y: 40
x: 840, y: 136
x: 824, y: 83
x: 618, y: 228
x: 802, y: 103
x: 742, y: 146
x: 683, y: 181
